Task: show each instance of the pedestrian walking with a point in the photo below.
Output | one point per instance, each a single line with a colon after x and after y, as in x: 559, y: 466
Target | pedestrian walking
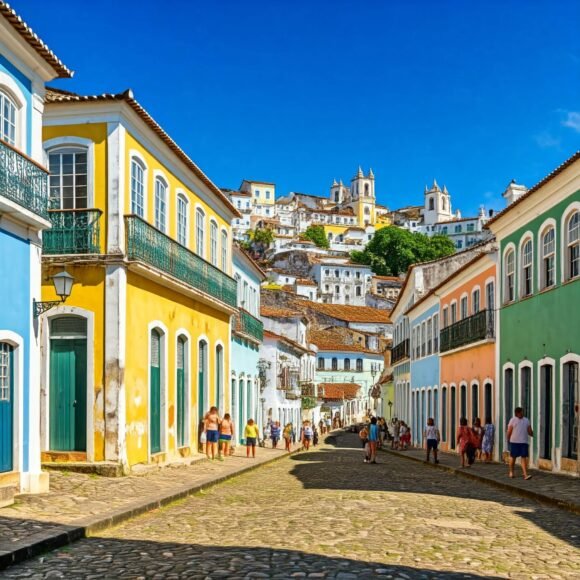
x: 396, y: 434
x: 251, y: 435
x: 364, y: 438
x: 226, y: 435
x: 306, y: 434
x: 321, y: 426
x: 211, y: 423
x: 275, y: 434
x: 315, y: 437
x: 405, y: 436
x: 432, y: 438
x: 373, y: 440
x: 478, y: 433
x: 328, y: 424
x: 518, y: 433
x: 488, y: 439
x: 287, y: 434
x: 464, y: 438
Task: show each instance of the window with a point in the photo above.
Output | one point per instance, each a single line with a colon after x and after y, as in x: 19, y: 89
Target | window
x: 475, y: 301
x: 182, y: 228
x: 509, y: 268
x: 68, y: 178
x: 527, y: 265
x: 423, y: 339
x: 429, y: 336
x: 431, y: 204
x: 573, y: 244
x: 526, y: 390
x: 463, y: 401
x: 508, y: 387
x: 137, y: 188
x: 470, y: 227
x: 444, y: 230
x: 6, y: 373
x: 445, y: 317
x: 488, y: 398
x: 347, y: 273
x: 459, y: 244
x: 160, y: 204
x: 7, y: 119
x: 547, y: 278
x: 570, y: 415
x: 337, y: 290
x: 463, y: 307
x: 327, y: 272
x: 199, y: 231
x: 453, y: 312
x: 334, y: 364
x: 320, y: 363
x: 475, y: 402
x: 358, y: 291
x: 213, y: 243
x: 457, y: 229
x: 358, y: 275
x: 359, y: 365
x: 436, y: 333
x: 224, y: 251
x: 337, y: 273
x: 257, y: 193
x: 347, y: 364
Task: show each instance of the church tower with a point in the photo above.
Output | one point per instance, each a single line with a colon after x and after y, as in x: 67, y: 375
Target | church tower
x: 338, y: 193
x: 362, y: 190
x: 437, y: 205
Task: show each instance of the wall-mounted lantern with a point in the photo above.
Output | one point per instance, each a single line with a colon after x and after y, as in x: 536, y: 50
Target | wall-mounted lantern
x: 63, y: 283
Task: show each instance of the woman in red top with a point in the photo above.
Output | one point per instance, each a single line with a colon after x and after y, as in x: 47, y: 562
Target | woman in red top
x: 463, y: 440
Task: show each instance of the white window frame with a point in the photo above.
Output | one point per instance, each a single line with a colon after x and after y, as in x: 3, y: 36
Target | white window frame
x: 571, y: 243
x: 547, y: 252
x: 526, y: 265
x: 160, y: 208
x: 213, y: 242
x: 200, y: 231
x: 475, y: 304
x: 509, y: 274
x: 224, y: 249
x: 74, y: 146
x: 182, y: 219
x: 10, y: 88
x: 138, y: 162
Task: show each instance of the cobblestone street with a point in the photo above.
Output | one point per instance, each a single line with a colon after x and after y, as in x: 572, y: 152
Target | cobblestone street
x: 324, y: 513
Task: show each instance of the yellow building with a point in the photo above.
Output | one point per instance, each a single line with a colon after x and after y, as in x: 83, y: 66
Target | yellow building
x: 141, y: 348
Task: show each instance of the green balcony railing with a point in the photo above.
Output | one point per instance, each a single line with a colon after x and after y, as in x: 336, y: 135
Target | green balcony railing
x: 147, y: 244
x: 74, y: 231
x: 23, y: 181
x: 400, y: 351
x: 249, y: 325
x: 480, y: 326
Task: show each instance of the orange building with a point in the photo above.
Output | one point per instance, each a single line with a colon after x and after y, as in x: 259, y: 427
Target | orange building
x: 467, y: 346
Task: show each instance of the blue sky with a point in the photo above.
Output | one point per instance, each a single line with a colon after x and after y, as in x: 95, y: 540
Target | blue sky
x: 300, y: 92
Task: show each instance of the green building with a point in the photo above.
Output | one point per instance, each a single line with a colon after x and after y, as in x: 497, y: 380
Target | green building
x: 539, y: 315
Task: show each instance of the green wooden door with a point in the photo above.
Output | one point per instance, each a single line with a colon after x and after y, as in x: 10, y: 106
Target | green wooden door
x: 201, y: 378
x: 6, y: 406
x: 181, y: 392
x: 155, y: 394
x: 68, y: 394
x: 241, y: 422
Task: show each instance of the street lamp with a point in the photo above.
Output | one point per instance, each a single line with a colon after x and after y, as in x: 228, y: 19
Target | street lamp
x: 63, y: 283
x: 390, y: 409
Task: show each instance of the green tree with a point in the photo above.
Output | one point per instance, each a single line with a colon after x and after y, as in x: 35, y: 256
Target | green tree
x: 317, y: 235
x: 259, y: 241
x: 392, y: 250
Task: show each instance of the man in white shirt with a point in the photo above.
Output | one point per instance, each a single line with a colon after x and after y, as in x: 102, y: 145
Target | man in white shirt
x: 519, y: 429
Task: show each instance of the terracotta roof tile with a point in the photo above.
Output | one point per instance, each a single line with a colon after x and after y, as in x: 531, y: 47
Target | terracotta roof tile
x: 352, y: 313
x: 329, y: 340
x: 339, y: 391
x: 270, y: 312
x: 305, y: 282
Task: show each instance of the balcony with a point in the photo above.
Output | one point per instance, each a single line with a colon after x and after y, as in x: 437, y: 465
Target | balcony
x: 151, y: 246
x: 478, y: 327
x: 23, y: 181
x: 73, y: 232
x: 400, y: 352
x: 247, y: 324
x: 308, y: 389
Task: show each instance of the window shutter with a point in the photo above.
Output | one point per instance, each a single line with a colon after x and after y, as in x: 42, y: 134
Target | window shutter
x: 155, y: 349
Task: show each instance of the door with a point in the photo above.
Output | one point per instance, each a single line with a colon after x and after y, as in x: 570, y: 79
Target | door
x: 453, y: 434
x: 546, y: 412
x: 181, y: 392
x: 6, y: 406
x: 155, y: 394
x: 241, y: 422
x: 68, y: 388
x: 201, y: 378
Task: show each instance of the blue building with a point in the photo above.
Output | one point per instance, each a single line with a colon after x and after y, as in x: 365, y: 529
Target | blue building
x: 26, y: 64
x: 247, y: 336
x: 424, y: 322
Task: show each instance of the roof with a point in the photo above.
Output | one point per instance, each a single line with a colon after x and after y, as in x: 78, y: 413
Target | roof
x: 305, y: 282
x: 535, y: 188
x: 388, y: 278
x: 288, y: 341
x: 270, y: 312
x: 455, y: 220
x: 259, y: 182
x: 58, y: 96
x: 352, y: 313
x: 329, y: 341
x: 34, y: 41
x: 339, y: 391
x: 251, y: 260
x: 236, y: 192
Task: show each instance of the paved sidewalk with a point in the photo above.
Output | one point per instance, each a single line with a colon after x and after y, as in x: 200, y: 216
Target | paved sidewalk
x: 560, y: 490
x: 79, y: 504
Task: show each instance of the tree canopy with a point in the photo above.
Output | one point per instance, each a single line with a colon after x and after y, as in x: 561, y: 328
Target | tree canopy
x: 317, y: 235
x: 259, y: 241
x: 392, y: 250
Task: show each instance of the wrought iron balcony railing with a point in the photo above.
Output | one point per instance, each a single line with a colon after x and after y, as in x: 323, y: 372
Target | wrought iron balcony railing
x: 400, y: 351
x: 147, y: 244
x: 480, y: 326
x: 74, y: 231
x: 249, y: 325
x: 23, y: 181
x: 308, y: 389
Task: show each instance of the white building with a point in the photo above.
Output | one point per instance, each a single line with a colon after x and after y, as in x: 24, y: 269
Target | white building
x: 342, y: 282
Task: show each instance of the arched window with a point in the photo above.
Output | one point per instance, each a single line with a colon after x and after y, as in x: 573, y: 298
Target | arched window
x: 366, y: 188
x: 509, y: 274
x: 8, y: 111
x: 444, y: 204
x: 347, y: 364
x: 358, y: 291
x: 213, y: 243
x: 367, y: 210
x: 431, y: 204
x: 527, y: 261
x: 508, y: 388
x: 573, y: 245
x: 160, y: 204
x: 334, y: 364
x: 474, y: 402
x: 224, y: 251
x: 526, y: 390
x: 359, y: 365
x: 182, y: 219
x: 68, y: 178
x: 137, y: 187
x: 199, y: 231
x: 320, y: 363
x: 547, y: 277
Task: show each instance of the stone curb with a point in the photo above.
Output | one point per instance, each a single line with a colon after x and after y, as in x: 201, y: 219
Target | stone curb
x: 65, y: 534
x: 527, y: 493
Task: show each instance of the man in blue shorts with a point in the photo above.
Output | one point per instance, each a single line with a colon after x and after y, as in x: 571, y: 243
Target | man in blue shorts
x: 519, y: 429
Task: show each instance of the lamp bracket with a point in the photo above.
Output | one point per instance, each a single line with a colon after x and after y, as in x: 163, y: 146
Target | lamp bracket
x: 39, y: 308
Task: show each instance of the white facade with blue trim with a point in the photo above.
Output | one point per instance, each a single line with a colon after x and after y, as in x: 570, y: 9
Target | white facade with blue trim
x: 25, y: 65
